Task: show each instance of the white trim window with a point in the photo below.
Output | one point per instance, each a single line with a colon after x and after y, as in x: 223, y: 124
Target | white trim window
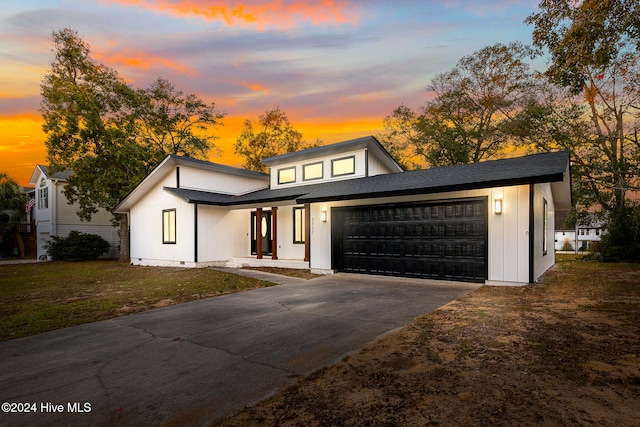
x: 298, y: 224
x: 43, y: 198
x: 343, y: 166
x: 286, y: 175
x: 312, y: 171
x: 169, y: 226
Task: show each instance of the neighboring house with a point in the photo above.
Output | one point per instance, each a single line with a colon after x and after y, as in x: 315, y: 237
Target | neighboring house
x: 350, y: 207
x: 54, y: 216
x: 578, y: 238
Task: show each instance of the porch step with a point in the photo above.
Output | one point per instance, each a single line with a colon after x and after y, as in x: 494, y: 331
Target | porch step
x: 267, y: 262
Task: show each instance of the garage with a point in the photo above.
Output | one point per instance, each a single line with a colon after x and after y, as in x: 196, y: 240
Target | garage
x: 444, y: 240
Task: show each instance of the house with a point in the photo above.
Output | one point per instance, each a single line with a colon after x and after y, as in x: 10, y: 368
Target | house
x: 349, y: 207
x: 52, y: 214
x: 578, y: 238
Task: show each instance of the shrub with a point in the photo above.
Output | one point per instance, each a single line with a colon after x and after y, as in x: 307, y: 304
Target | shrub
x: 77, y: 246
x: 621, y: 241
x: 567, y: 246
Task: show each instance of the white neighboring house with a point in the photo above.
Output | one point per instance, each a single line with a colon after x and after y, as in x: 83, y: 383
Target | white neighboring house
x: 350, y: 207
x: 54, y: 216
x: 577, y: 239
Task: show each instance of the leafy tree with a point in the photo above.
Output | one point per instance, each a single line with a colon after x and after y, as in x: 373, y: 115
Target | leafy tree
x: 275, y: 136
x: 402, y: 139
x: 12, y: 202
x: 468, y: 120
x: 110, y: 134
x: 594, y: 47
x: 172, y: 122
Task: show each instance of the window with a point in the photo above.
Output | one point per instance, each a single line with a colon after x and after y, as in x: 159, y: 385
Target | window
x: 286, y: 175
x: 312, y: 171
x: 597, y: 231
x: 43, y: 198
x: 545, y: 212
x: 344, y: 166
x: 169, y: 226
x: 298, y: 225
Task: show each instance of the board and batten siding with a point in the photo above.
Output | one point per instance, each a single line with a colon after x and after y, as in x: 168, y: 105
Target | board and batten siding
x: 222, y: 232
x: 146, y: 228
x: 508, y: 236
x: 198, y: 179
x: 541, y: 261
x: 376, y: 167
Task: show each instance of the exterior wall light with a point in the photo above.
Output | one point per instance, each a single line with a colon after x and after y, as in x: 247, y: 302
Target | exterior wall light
x: 323, y: 215
x: 497, y: 204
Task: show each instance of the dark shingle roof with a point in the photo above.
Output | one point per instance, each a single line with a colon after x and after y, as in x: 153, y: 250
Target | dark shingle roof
x: 58, y: 175
x: 199, y: 196
x: 537, y: 168
x: 547, y: 167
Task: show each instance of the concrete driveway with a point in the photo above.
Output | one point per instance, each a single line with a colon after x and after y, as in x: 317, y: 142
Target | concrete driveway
x: 194, y: 363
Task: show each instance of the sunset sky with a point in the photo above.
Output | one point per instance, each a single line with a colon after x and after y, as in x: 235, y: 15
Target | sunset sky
x: 337, y: 68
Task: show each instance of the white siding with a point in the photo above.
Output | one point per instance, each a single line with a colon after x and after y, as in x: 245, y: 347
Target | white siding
x: 542, y: 262
x: 146, y: 228
x: 376, y: 167
x: 222, y: 234
x: 286, y: 248
x: 198, y: 179
x: 360, y: 169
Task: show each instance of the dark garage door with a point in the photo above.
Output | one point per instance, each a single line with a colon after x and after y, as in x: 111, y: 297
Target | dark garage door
x: 441, y: 240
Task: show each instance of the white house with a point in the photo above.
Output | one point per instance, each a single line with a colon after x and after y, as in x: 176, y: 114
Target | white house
x: 54, y: 216
x: 350, y: 207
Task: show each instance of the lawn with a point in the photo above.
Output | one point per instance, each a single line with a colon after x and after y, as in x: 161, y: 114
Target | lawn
x: 40, y: 297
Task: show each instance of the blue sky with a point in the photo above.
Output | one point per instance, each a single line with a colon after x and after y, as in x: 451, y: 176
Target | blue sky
x: 337, y: 68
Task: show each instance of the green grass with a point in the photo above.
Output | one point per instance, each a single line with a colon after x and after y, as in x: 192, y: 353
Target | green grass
x: 36, y: 298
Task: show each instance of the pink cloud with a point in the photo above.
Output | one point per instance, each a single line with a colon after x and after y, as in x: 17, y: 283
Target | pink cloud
x: 143, y: 61
x: 282, y: 14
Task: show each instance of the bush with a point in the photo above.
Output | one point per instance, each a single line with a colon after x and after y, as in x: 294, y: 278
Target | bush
x: 567, y: 246
x: 621, y: 241
x: 77, y: 246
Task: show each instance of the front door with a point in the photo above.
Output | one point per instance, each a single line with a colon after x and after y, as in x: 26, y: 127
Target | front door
x: 265, y: 232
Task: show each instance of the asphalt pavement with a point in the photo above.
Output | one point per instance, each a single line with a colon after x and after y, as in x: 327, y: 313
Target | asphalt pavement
x: 195, y: 363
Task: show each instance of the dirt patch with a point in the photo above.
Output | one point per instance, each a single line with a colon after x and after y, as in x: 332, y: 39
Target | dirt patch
x: 565, y: 352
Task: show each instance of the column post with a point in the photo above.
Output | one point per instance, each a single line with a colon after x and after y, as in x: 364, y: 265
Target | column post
x: 259, y: 233
x: 274, y: 233
x: 307, y: 232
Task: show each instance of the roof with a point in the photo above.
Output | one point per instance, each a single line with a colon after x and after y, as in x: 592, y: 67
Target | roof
x: 368, y: 142
x: 58, y: 176
x: 538, y: 168
x: 168, y: 164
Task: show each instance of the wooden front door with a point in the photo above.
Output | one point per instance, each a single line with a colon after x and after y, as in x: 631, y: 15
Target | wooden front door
x: 267, y: 243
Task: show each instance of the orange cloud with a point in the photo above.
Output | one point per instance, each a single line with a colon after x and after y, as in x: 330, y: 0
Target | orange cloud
x: 279, y: 13
x: 143, y: 61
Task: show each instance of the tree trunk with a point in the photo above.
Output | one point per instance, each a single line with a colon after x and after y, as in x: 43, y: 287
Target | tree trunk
x: 124, y: 238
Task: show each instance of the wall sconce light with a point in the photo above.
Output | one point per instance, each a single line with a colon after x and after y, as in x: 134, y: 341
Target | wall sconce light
x: 323, y: 215
x: 498, y: 206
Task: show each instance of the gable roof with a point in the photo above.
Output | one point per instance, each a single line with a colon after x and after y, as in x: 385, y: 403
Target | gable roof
x: 168, y: 164
x: 58, y: 176
x: 368, y: 142
x: 538, y: 168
